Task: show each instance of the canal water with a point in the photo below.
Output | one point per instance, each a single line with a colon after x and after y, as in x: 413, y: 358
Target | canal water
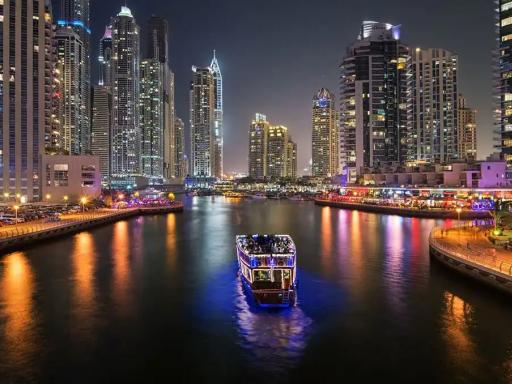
x: 158, y: 299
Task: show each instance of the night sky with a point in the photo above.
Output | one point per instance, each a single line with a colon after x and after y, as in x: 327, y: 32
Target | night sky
x: 275, y: 54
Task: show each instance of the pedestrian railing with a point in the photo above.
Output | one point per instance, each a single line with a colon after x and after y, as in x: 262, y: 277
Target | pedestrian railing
x: 484, y: 256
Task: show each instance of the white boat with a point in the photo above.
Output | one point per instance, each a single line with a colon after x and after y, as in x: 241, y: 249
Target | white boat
x: 268, y: 267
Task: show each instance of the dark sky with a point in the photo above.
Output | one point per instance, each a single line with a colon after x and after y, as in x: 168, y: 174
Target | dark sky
x: 275, y: 54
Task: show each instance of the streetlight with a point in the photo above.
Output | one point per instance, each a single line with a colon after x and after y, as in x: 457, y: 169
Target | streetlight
x: 83, y: 200
x: 48, y: 197
x: 16, y: 207
x: 6, y: 196
x: 66, y: 198
x: 18, y: 196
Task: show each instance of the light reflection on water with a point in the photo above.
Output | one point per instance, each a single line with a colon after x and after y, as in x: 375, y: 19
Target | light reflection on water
x: 275, y: 338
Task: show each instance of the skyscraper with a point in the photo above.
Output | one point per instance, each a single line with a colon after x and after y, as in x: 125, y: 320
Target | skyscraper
x: 373, y: 100
x: 218, y: 119
x: 157, y: 48
x: 258, y: 136
x: 202, y: 105
x: 180, y: 163
x: 101, y: 101
x: 105, y: 58
x: 504, y: 81
x: 25, y: 93
x: 74, y: 115
x: 74, y: 15
x: 277, y: 151
x: 467, y: 129
x: 125, y: 147
x: 151, y: 119
x: 433, y: 106
x: 291, y: 159
x: 325, y: 140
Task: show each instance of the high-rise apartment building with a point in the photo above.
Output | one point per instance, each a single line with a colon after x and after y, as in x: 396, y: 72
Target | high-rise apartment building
x: 373, y: 100
x: 75, y: 119
x: 218, y: 118
x: 325, y: 138
x: 433, y: 116
x: 151, y: 119
x: 74, y: 15
x: 157, y: 48
x: 258, y: 135
x: 504, y: 81
x: 180, y: 162
x: 101, y: 121
x: 277, y: 151
x: 125, y: 139
x: 466, y: 131
x: 291, y: 159
x: 26, y: 69
x: 202, y: 104
x: 105, y: 58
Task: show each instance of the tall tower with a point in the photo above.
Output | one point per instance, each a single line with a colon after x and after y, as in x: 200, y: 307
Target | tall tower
x: 151, y: 122
x: 325, y: 135
x: 157, y: 48
x: 74, y: 15
x: 504, y: 82
x: 125, y: 161
x: 74, y: 119
x: 277, y: 151
x: 105, y: 57
x: 218, y: 119
x: 258, y: 137
x: 202, y: 104
x: 101, y: 123
x: 373, y: 100
x: 467, y: 128
x: 433, y: 103
x: 25, y: 94
x: 181, y: 169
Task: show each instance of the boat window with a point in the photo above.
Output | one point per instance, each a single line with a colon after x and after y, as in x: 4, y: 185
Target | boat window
x: 261, y: 275
x: 278, y: 275
x: 286, y: 274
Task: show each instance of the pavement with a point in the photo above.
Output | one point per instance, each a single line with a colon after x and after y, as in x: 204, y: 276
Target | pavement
x: 472, y: 243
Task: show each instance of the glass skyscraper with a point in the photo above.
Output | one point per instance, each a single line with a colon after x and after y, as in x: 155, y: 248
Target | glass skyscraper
x: 218, y: 119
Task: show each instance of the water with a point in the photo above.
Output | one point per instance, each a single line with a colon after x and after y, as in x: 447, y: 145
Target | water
x: 157, y: 299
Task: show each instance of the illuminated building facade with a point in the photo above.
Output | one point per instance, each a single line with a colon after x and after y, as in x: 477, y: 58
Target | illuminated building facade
x: 291, y: 159
x: 151, y: 119
x: 258, y: 136
x: 325, y: 138
x: 180, y: 162
x: 74, y: 16
x: 101, y: 100
x: 467, y: 130
x: 157, y: 49
x: 373, y: 100
x: 25, y: 94
x: 125, y: 139
x: 202, y: 105
x: 504, y: 81
x: 74, y: 115
x: 218, y: 119
x: 433, y: 103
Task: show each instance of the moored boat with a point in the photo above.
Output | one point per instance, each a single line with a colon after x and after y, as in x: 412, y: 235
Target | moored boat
x: 268, y: 266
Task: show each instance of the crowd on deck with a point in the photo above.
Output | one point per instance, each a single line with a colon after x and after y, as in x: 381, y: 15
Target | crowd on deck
x: 267, y: 245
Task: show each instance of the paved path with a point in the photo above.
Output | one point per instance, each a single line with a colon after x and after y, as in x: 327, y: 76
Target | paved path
x: 471, y: 243
x: 42, y: 225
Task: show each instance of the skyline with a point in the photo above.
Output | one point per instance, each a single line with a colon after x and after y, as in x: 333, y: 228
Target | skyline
x: 244, y: 42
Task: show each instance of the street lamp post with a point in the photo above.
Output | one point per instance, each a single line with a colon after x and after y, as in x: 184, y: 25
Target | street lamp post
x: 16, y: 207
x: 83, y: 200
x: 6, y: 196
x: 66, y: 198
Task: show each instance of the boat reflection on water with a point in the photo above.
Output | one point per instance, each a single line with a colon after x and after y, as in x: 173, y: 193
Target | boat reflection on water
x: 275, y: 337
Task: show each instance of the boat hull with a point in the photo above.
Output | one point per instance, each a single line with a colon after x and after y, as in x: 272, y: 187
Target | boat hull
x: 271, y: 298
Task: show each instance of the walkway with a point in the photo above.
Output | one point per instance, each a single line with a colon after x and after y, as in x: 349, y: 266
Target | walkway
x: 470, y: 243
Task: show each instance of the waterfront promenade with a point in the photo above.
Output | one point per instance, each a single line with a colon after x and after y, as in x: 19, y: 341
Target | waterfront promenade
x: 435, y: 213
x: 468, y: 250
x: 27, y: 233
